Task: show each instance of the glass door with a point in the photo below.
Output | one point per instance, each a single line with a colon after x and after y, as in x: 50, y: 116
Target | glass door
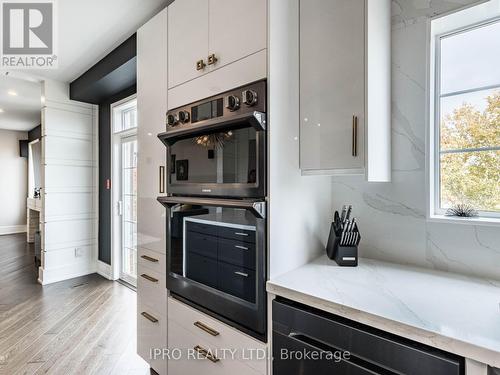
x: 128, y: 268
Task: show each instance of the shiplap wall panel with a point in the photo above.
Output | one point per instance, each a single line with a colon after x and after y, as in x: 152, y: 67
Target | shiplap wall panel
x: 69, y: 217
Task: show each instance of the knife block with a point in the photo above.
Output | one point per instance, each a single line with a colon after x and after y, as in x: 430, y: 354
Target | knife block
x: 345, y: 256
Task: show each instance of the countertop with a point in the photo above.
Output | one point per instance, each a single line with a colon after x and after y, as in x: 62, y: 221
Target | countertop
x: 452, y: 312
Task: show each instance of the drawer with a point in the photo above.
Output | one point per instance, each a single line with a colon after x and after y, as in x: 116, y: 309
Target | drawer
x: 214, y: 334
x: 201, y: 269
x: 151, y: 289
x: 201, y: 244
x: 237, y: 252
x: 151, y: 334
x: 285, y: 366
x: 208, y: 229
x: 151, y: 260
x: 375, y: 348
x: 237, y: 234
x: 237, y: 281
x: 194, y: 362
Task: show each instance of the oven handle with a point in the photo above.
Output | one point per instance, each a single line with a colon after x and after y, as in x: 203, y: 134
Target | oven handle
x: 257, y: 207
x: 256, y: 119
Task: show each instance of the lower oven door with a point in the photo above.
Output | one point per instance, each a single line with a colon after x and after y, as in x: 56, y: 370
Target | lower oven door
x: 216, y: 258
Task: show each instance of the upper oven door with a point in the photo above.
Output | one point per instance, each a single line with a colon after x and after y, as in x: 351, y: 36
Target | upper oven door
x: 216, y: 148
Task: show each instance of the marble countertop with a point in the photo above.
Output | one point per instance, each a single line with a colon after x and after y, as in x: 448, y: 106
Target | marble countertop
x: 452, y: 312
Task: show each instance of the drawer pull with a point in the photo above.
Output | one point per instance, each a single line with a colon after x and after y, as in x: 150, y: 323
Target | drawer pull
x: 149, y: 258
x: 241, y: 234
x: 162, y: 180
x: 200, y: 65
x: 241, y: 274
x: 206, y: 328
x: 205, y: 353
x: 149, y: 317
x: 241, y: 247
x: 149, y: 278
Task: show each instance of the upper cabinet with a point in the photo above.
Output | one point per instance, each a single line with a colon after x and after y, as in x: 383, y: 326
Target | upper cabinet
x: 206, y: 35
x: 345, y: 88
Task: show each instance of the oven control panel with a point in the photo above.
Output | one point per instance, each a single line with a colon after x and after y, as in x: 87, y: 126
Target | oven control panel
x: 248, y: 98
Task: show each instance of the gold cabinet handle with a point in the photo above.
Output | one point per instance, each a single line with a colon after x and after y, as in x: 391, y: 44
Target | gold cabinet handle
x: 206, y: 328
x: 149, y: 317
x: 148, y: 258
x: 354, y: 136
x: 149, y: 278
x: 162, y: 179
x: 205, y: 353
x: 200, y: 65
x: 212, y: 59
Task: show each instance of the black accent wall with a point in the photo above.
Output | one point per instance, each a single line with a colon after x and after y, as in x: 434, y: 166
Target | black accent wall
x: 108, y: 81
x: 105, y: 172
x: 35, y: 133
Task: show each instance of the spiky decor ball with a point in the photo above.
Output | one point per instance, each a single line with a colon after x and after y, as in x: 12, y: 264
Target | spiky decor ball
x: 214, y: 140
x: 461, y: 210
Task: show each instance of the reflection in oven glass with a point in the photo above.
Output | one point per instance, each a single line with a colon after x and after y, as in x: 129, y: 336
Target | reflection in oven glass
x: 216, y: 247
x: 222, y: 157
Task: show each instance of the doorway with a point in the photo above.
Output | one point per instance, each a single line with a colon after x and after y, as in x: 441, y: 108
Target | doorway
x: 124, y: 165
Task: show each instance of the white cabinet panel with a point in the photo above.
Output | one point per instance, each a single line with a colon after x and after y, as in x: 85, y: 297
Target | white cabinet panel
x: 187, y: 40
x: 237, y: 28
x: 151, y: 289
x: 151, y: 260
x: 192, y: 323
x: 152, y: 106
x: 152, y: 335
x: 332, y: 83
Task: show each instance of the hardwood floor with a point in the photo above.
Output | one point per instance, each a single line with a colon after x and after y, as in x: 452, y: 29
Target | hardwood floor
x: 82, y: 326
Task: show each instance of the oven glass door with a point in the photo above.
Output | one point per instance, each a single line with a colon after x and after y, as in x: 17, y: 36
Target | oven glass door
x: 216, y: 257
x: 221, y: 163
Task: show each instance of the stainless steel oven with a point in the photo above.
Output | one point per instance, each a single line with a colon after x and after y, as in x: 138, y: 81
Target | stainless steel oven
x: 216, y: 258
x: 217, y: 146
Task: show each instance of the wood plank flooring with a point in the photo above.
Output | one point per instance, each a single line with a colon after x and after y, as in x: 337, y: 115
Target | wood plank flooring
x: 82, y: 326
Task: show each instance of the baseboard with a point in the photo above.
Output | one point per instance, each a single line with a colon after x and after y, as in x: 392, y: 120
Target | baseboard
x: 61, y: 274
x: 12, y: 229
x: 104, y: 270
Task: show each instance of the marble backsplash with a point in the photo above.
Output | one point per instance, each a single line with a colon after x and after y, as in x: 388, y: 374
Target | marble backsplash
x: 392, y: 217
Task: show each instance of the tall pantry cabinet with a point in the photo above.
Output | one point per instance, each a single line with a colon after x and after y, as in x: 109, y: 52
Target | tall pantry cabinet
x: 151, y: 182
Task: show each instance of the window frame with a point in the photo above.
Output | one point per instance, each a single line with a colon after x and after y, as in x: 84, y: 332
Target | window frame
x: 455, y: 26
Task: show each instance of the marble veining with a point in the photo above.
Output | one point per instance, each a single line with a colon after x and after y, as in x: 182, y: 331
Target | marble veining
x: 456, y: 313
x: 392, y: 216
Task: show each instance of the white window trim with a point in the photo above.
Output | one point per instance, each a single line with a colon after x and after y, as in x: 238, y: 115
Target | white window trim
x: 475, y: 16
x: 116, y: 187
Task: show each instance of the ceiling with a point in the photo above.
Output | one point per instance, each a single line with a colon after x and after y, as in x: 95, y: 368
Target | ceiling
x: 21, y: 111
x: 86, y: 32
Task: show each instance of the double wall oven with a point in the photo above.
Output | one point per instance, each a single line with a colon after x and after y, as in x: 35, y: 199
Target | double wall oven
x: 216, y: 206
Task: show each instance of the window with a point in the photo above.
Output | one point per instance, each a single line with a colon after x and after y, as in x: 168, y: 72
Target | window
x: 466, y: 112
x: 125, y: 116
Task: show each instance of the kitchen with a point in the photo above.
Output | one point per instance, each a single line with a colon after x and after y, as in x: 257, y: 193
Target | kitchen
x: 268, y: 117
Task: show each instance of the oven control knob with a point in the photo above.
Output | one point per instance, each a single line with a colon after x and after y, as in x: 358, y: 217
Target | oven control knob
x: 171, y: 119
x: 232, y: 102
x: 183, y: 116
x: 249, y: 97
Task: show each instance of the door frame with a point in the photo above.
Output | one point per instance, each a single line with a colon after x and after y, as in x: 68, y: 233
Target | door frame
x: 116, y: 188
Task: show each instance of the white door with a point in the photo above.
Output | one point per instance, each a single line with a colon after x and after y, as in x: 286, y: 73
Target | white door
x: 237, y: 28
x: 332, y: 83
x: 124, y: 190
x: 128, y: 267
x: 187, y: 40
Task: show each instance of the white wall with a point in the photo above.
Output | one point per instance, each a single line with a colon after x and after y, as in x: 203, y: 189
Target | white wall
x: 69, y: 185
x: 13, y: 183
x: 392, y: 217
x: 299, y: 206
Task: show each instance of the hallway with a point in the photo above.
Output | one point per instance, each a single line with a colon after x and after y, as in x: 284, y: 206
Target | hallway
x: 85, y: 325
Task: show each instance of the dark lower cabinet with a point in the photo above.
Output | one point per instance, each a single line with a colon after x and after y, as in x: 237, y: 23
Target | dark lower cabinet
x: 307, y: 341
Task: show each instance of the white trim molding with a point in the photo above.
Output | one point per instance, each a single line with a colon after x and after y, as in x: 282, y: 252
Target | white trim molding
x: 12, y: 229
x: 104, y: 270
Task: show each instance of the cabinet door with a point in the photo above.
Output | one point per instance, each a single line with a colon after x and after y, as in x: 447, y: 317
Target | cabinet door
x: 237, y: 28
x: 332, y: 83
x: 152, y: 106
x: 187, y: 40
